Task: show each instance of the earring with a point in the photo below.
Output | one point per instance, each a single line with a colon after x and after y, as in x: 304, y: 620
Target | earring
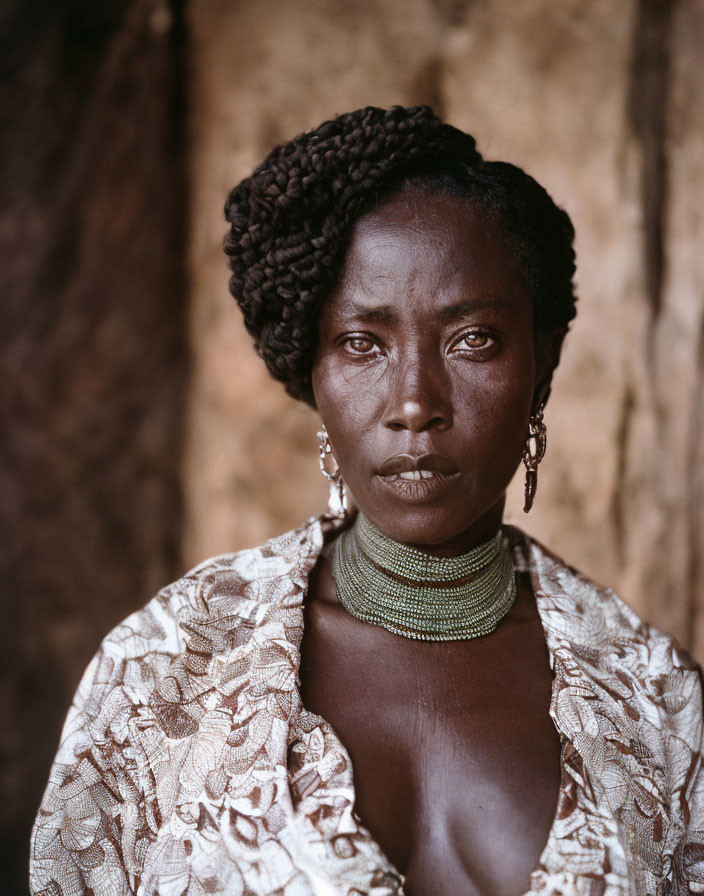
x: 337, y: 500
x: 533, y: 453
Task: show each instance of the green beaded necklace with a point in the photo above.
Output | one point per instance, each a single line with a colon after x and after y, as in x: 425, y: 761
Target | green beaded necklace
x: 420, y: 596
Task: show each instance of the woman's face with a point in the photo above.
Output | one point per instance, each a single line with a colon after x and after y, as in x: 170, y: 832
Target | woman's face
x: 426, y: 370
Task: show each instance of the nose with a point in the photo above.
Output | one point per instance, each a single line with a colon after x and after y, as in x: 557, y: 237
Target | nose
x: 419, y: 398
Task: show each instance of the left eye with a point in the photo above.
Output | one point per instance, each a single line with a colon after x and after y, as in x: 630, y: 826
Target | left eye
x: 475, y: 340
x: 359, y: 345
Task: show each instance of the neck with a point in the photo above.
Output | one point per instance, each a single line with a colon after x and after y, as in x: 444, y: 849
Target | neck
x: 478, y: 532
x: 418, y: 594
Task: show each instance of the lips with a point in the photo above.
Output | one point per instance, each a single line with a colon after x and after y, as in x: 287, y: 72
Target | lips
x: 417, y: 478
x: 412, y: 467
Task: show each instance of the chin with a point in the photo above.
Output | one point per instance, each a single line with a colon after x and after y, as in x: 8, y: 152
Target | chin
x: 421, y: 526
x: 465, y: 525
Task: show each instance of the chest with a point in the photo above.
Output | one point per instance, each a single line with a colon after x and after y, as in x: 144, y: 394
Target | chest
x: 455, y: 757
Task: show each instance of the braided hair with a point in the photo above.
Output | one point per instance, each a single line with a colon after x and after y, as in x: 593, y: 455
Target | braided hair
x: 291, y: 219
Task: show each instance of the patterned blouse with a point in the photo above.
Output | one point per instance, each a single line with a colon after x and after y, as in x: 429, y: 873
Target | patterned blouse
x: 188, y: 764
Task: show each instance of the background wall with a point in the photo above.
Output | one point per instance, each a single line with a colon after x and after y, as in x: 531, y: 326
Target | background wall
x: 602, y: 102
x: 93, y: 355
x: 142, y: 433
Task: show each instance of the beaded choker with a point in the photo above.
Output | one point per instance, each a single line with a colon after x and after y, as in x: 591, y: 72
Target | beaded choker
x: 420, y: 596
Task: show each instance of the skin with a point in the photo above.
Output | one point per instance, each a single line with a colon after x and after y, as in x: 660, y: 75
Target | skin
x: 425, y: 347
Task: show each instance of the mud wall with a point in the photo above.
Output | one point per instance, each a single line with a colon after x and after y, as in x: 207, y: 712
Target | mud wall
x: 93, y: 350
x: 127, y: 377
x: 602, y: 102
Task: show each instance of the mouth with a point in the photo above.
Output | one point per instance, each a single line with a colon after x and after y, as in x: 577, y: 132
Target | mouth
x: 421, y: 466
x: 411, y: 475
x: 417, y: 478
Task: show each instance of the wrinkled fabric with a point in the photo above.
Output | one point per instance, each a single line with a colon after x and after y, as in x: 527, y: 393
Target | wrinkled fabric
x: 187, y: 763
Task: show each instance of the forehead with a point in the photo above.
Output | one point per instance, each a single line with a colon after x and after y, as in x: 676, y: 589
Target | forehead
x: 437, y: 244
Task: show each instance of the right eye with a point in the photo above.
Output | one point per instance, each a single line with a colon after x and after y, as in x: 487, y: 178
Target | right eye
x: 359, y: 345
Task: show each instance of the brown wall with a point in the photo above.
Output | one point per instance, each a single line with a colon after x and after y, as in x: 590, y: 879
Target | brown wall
x: 106, y: 419
x: 93, y: 348
x: 602, y: 102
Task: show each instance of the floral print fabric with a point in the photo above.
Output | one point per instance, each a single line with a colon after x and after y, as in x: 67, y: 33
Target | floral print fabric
x: 187, y: 763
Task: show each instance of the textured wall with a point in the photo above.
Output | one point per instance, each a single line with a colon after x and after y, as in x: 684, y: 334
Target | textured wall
x: 601, y: 100
x: 92, y: 348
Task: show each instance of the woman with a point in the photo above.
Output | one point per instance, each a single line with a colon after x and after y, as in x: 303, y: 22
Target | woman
x: 409, y: 699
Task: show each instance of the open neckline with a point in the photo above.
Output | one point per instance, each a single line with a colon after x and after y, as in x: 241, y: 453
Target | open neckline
x: 522, y: 549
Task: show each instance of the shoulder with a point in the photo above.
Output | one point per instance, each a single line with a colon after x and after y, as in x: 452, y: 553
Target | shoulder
x: 238, y: 585
x: 595, y: 632
x: 159, y: 678
x: 577, y: 610
x: 170, y: 644
x: 628, y: 698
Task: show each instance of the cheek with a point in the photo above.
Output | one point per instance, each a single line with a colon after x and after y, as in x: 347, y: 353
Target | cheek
x: 347, y: 395
x: 345, y: 410
x: 491, y: 413
x: 348, y: 381
x: 495, y: 395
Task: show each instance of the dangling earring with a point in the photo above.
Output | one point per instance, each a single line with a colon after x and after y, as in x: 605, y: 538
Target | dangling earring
x: 337, y: 500
x: 533, y: 453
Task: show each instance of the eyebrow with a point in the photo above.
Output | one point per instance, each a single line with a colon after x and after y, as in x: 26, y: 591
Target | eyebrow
x: 463, y: 309
x: 456, y: 311
x: 373, y: 313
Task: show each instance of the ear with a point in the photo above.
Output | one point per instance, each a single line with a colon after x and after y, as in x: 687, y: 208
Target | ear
x: 548, y: 346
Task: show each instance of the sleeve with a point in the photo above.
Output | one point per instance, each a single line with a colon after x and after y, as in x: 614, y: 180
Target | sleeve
x: 688, y: 857
x: 100, y: 811
x: 80, y: 840
x: 686, y: 767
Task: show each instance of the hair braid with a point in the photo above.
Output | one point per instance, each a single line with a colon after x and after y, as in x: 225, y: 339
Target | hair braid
x: 290, y: 220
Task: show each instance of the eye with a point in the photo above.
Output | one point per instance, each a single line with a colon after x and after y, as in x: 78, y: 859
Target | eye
x: 475, y: 340
x: 359, y: 345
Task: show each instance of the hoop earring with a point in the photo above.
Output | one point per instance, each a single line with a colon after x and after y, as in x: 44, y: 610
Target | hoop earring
x: 533, y: 453
x: 337, y: 500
